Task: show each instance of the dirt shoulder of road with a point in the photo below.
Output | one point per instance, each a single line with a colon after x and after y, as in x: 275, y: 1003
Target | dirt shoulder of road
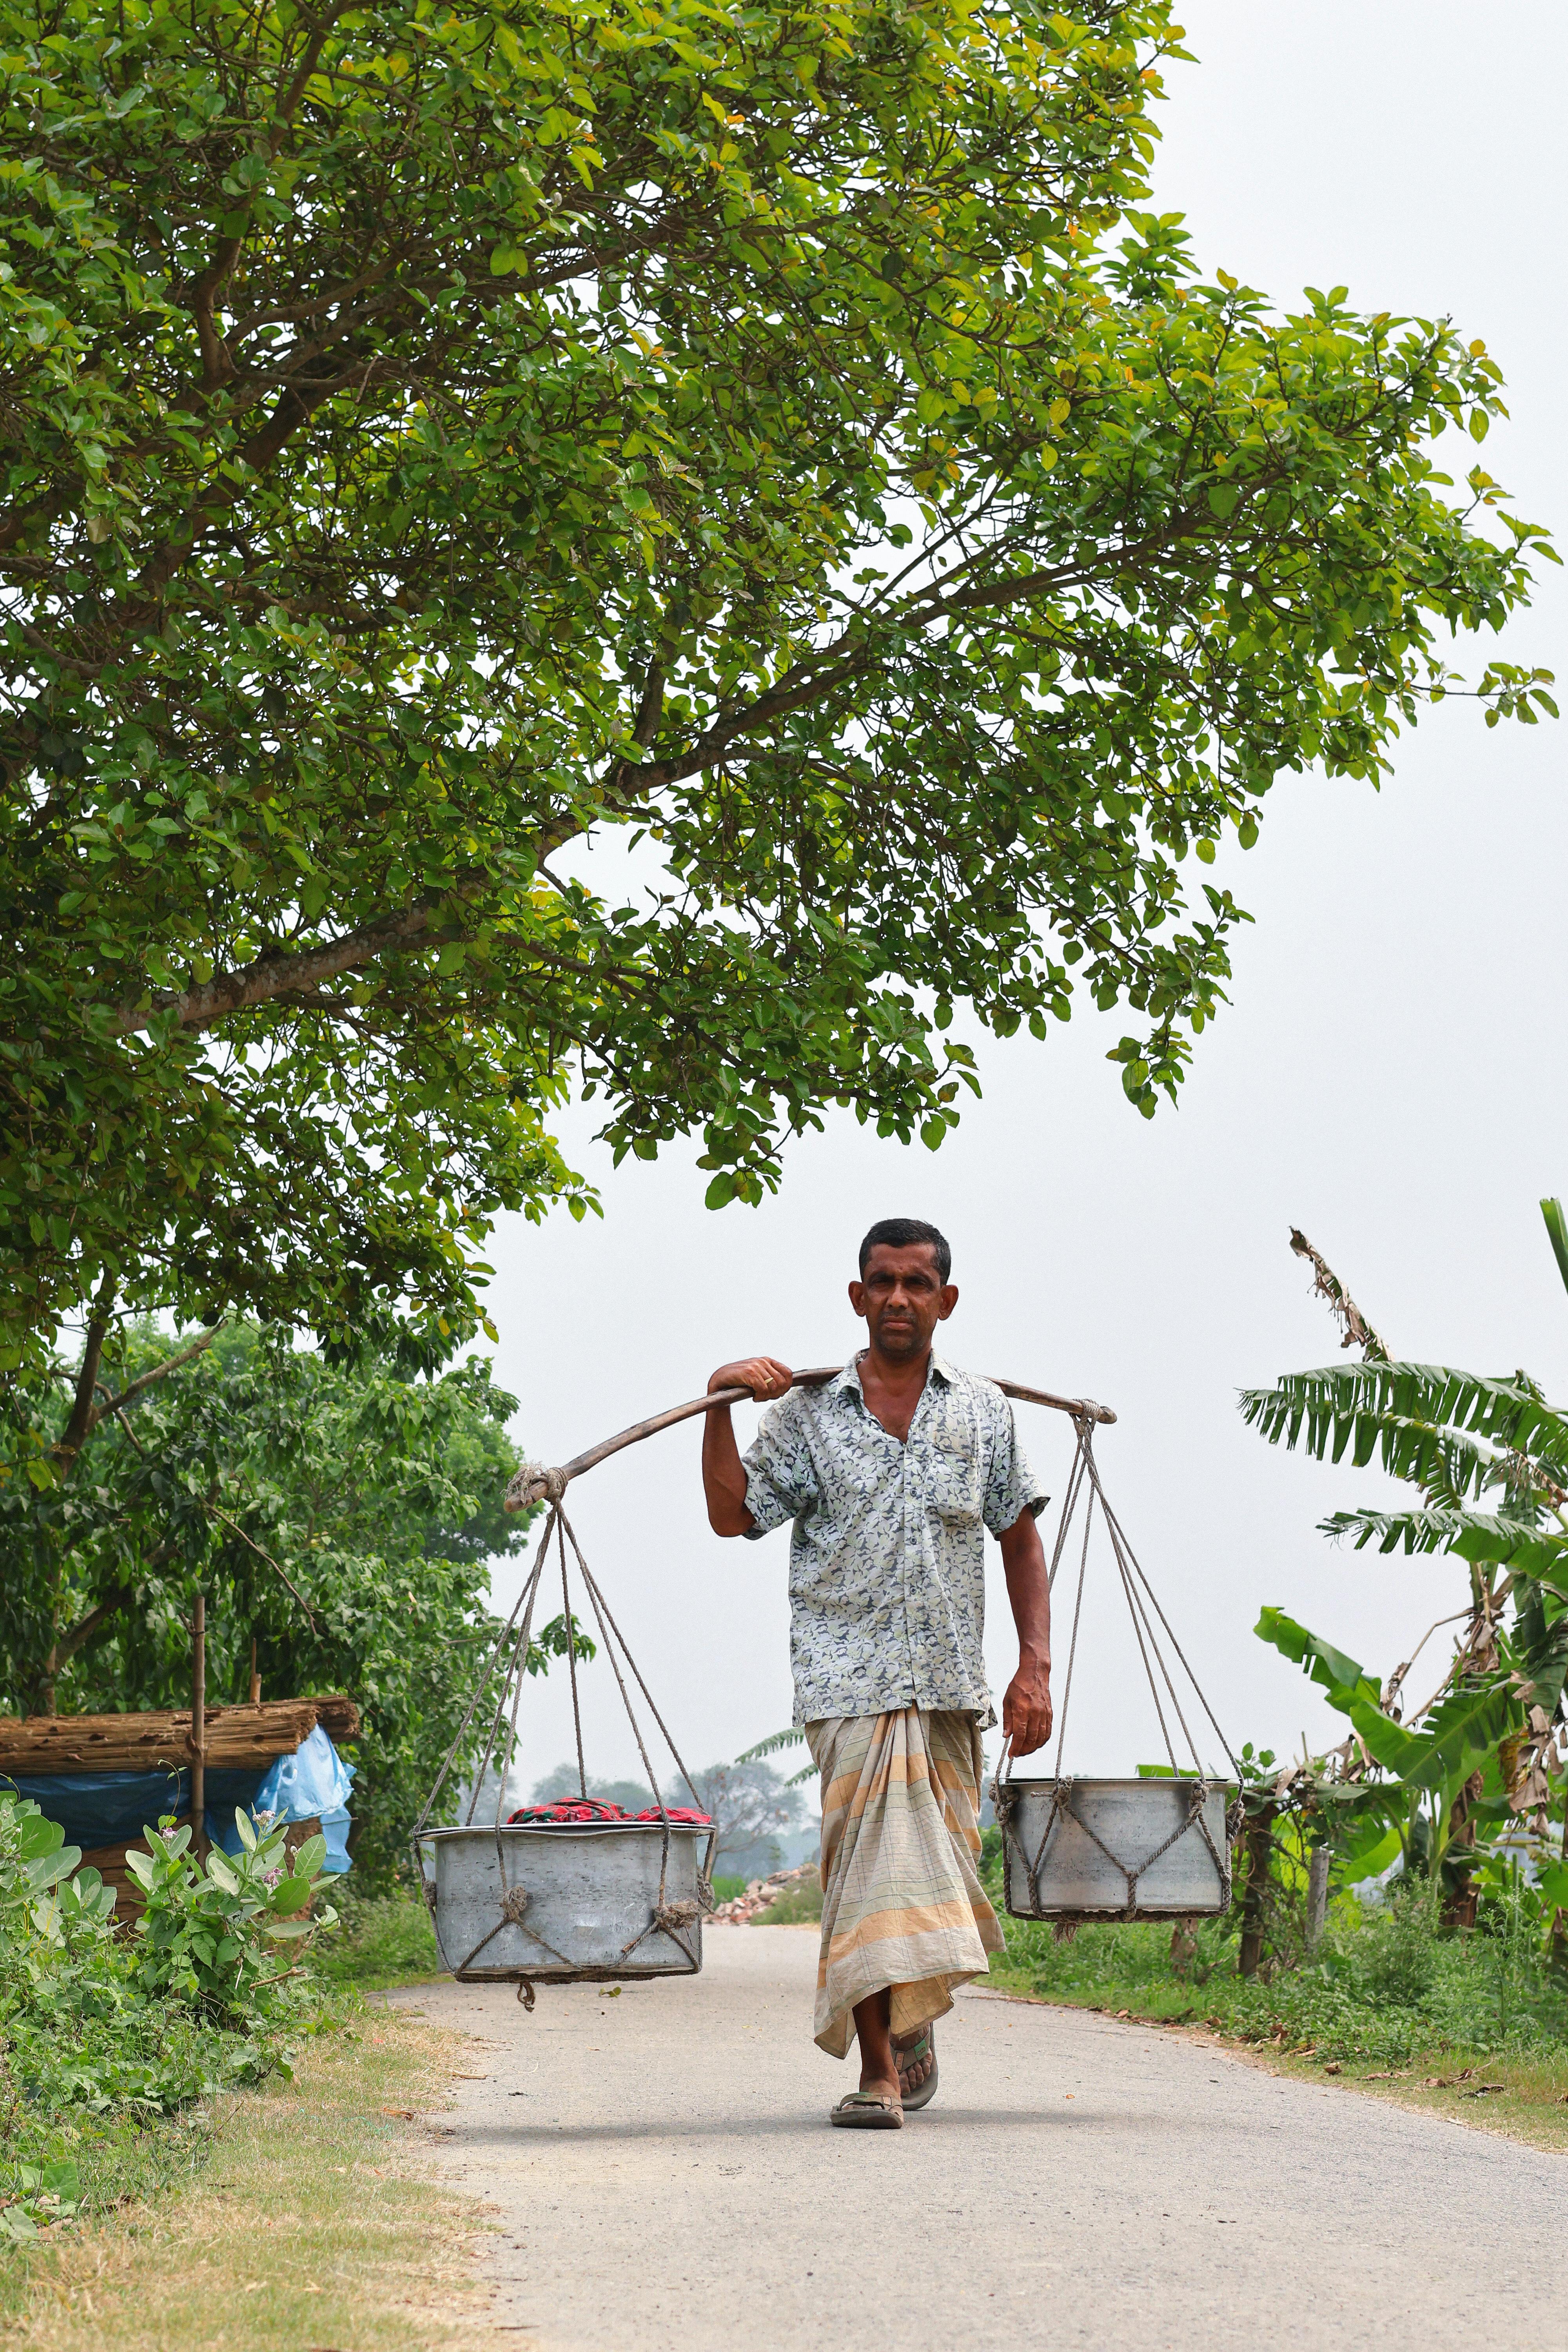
x: 317, y: 2220
x: 1525, y: 2100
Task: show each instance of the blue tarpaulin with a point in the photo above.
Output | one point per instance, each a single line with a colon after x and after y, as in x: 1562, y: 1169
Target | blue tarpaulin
x: 313, y: 1783
x: 106, y: 1808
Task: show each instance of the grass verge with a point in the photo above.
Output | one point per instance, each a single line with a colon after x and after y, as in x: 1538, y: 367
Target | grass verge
x: 313, y: 2223
x: 381, y: 1940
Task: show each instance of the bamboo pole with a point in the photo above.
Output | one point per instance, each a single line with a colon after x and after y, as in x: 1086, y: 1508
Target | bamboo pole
x: 199, y: 1727
x: 523, y: 1492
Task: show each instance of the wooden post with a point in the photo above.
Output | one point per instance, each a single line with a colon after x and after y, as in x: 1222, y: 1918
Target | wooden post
x: 255, y: 1678
x: 1317, y: 1895
x: 199, y: 1728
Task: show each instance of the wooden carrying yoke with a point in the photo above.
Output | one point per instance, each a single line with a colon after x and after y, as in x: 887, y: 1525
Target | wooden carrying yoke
x: 533, y: 1484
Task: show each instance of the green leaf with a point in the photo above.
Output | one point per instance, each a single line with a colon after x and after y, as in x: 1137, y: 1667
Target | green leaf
x: 1557, y: 1233
x: 310, y: 1857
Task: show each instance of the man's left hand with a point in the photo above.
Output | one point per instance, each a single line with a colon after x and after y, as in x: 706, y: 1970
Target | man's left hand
x: 1026, y: 1709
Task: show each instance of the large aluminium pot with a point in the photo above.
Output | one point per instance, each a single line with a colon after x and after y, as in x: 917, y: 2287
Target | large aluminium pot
x: 1083, y: 1849
x: 565, y: 1901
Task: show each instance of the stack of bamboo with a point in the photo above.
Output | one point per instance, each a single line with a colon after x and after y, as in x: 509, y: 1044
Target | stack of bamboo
x: 233, y: 1737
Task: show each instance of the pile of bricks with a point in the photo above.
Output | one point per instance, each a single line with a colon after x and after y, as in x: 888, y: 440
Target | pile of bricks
x: 744, y: 1908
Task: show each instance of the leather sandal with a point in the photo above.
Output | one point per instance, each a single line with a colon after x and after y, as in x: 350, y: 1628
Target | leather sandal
x: 923, y: 2046
x: 868, y: 2111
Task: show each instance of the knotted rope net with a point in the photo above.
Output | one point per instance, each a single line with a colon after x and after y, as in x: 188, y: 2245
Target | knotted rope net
x: 503, y: 1680
x: 1149, y: 1620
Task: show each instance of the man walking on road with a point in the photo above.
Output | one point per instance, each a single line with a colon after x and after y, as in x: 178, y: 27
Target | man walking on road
x: 891, y: 1471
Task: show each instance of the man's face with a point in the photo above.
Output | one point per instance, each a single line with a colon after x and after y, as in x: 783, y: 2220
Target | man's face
x: 902, y: 1298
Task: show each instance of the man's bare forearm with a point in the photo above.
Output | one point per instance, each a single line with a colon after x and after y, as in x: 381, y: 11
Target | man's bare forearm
x: 723, y: 1476
x: 1026, y: 1708
x: 723, y: 1472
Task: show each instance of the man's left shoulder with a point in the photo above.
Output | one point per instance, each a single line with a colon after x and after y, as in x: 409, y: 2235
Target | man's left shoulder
x: 976, y: 1394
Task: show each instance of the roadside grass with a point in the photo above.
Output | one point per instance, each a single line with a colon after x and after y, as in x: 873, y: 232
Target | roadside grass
x: 119, y: 2161
x: 1462, y: 2026
x: 795, y: 1908
x: 313, y: 2223
x: 382, y: 1940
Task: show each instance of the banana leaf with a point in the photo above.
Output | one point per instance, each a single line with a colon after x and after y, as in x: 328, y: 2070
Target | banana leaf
x: 1423, y: 1420
x: 1468, y: 1719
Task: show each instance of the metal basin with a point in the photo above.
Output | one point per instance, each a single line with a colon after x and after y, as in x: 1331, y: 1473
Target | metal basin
x: 577, y: 1902
x: 1115, y: 1848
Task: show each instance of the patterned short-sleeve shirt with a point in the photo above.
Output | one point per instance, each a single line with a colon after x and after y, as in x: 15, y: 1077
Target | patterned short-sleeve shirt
x: 887, y: 1567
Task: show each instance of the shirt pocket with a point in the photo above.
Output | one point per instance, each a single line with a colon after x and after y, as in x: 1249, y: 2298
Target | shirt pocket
x: 953, y: 1479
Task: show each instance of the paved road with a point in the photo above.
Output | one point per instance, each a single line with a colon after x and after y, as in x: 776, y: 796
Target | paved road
x: 669, y: 2179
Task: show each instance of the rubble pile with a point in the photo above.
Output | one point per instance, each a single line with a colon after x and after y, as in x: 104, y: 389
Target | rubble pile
x: 744, y: 1908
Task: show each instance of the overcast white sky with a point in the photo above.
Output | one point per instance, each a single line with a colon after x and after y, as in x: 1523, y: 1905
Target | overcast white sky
x: 1389, y: 1077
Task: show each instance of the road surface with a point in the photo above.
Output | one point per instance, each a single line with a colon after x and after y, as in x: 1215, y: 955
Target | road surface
x: 666, y: 2176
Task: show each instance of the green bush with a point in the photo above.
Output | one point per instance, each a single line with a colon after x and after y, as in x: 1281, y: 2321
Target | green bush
x: 101, y: 2034
x: 383, y: 1940
x: 1387, y: 1983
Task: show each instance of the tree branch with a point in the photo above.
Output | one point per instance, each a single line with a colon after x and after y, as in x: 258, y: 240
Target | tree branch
x: 280, y: 975
x: 80, y: 1634
x: 84, y: 1419
x: 170, y: 1364
x: 235, y: 1528
x: 217, y: 368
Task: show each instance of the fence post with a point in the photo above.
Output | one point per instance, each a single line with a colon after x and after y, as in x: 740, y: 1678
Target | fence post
x: 1317, y: 1895
x: 199, y: 1728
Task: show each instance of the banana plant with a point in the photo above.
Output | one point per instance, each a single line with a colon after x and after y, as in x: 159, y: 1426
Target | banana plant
x: 791, y: 1737
x: 1488, y: 1459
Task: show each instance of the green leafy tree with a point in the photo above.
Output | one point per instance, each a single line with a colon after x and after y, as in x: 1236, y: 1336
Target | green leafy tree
x: 342, y: 1520
x: 435, y: 436
x: 1489, y: 1460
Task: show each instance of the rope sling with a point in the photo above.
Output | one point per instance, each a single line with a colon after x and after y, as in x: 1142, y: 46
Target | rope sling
x: 510, y: 1651
x: 1084, y: 1487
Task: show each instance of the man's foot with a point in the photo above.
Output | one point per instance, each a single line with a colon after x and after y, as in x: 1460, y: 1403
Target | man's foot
x: 868, y: 2111
x: 916, y: 2057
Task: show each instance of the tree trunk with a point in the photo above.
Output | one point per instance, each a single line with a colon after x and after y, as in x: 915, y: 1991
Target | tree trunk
x: 1259, y: 1849
x: 1460, y: 1899
x: 64, y: 1452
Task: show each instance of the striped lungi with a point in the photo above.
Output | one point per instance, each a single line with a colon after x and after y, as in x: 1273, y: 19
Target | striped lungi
x: 902, y: 1899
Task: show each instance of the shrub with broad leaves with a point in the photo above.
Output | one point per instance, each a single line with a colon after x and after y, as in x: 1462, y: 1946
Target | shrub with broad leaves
x: 100, y: 2032
x: 209, y: 1934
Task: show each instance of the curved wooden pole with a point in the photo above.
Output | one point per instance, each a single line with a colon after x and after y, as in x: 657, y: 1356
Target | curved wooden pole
x: 529, y: 1484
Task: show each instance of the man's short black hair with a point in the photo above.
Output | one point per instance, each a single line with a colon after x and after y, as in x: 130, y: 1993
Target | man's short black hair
x: 904, y: 1233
